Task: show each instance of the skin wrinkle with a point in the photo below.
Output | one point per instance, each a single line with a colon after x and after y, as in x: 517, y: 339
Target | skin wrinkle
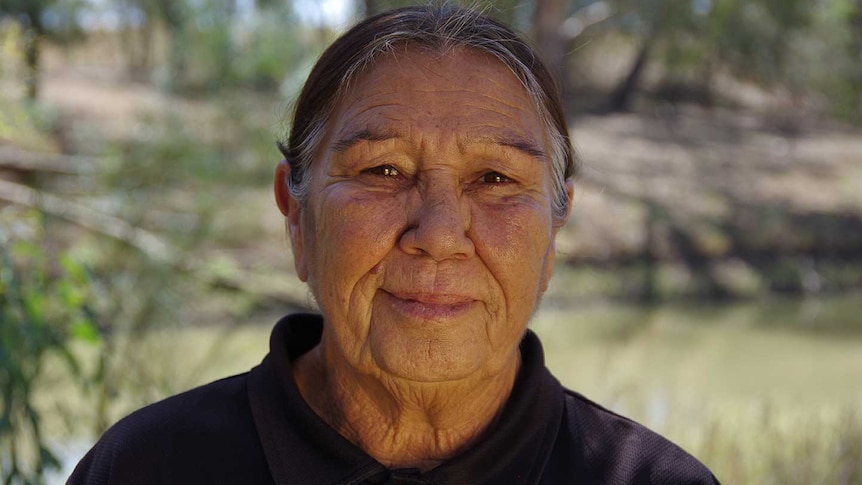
x: 370, y: 137
x: 415, y: 389
x: 440, y: 44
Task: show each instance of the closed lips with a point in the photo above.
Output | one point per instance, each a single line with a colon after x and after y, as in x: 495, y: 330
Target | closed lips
x: 445, y: 299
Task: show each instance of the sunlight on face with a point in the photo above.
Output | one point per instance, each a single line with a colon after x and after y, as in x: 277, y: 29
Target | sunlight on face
x: 428, y: 236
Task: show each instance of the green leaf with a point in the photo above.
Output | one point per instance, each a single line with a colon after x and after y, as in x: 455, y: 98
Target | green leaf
x: 85, y: 330
x: 76, y: 271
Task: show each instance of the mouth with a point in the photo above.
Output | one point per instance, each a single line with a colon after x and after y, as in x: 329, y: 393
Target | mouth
x: 430, y: 306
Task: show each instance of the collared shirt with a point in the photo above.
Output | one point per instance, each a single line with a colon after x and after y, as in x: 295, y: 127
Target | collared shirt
x: 255, y: 428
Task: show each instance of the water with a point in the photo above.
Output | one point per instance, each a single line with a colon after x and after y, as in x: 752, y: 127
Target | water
x: 804, y: 356
x: 683, y: 370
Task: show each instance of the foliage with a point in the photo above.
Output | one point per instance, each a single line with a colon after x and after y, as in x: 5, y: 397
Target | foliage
x: 257, y: 52
x: 509, y: 11
x: 798, y: 46
x: 181, y: 175
x: 55, y: 291
x: 827, y: 61
x: 40, y: 19
x: 212, y: 44
x: 45, y: 302
x: 54, y: 18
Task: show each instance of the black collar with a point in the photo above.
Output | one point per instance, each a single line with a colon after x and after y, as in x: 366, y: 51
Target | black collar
x: 301, y: 448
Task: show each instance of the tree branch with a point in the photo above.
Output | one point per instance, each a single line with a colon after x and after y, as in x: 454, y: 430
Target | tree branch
x: 154, y: 247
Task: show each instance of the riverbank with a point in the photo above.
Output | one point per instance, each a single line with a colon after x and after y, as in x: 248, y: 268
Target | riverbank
x: 673, y: 201
x: 684, y: 201
x: 763, y: 393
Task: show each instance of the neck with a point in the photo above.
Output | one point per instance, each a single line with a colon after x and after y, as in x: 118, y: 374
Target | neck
x: 400, y: 423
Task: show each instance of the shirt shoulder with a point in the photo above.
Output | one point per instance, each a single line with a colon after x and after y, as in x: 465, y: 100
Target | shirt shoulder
x: 204, y: 435
x: 617, y: 450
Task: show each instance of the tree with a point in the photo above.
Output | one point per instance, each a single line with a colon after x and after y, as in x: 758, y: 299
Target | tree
x: 548, y: 17
x: 748, y: 38
x: 43, y: 307
x: 173, y: 15
x: 40, y: 20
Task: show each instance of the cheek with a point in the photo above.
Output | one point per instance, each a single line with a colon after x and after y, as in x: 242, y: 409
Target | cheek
x: 353, y: 234
x: 514, y: 241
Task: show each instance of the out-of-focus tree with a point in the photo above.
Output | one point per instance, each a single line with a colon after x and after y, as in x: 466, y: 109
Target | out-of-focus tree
x: 214, y: 43
x: 853, y: 48
x: 269, y: 49
x: 827, y: 60
x: 548, y: 18
x: 40, y: 20
x: 505, y: 10
x: 557, y: 26
x: 370, y: 8
x: 694, y: 38
x: 45, y: 302
x: 173, y: 16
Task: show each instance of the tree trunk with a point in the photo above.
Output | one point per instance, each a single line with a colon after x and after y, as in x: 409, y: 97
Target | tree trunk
x: 173, y: 15
x: 370, y: 8
x: 622, y: 96
x: 137, y: 44
x: 547, y: 22
x: 506, y: 11
x: 31, y: 59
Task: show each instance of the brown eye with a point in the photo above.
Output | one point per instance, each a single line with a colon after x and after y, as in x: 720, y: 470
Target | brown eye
x: 495, y: 178
x: 383, y: 170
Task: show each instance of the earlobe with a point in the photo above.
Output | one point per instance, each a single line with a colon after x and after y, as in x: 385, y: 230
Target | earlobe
x: 282, y: 195
x: 292, y: 211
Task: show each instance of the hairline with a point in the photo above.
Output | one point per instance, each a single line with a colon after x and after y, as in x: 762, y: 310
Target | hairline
x: 386, y: 47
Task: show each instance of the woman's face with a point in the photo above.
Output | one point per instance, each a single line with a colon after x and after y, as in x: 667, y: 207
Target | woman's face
x: 427, y: 237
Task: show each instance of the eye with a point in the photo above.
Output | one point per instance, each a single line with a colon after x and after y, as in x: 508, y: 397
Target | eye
x: 383, y: 171
x: 494, y: 178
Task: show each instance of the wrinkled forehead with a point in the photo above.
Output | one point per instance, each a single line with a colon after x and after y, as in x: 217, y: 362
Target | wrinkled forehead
x: 458, y: 86
x: 411, y: 54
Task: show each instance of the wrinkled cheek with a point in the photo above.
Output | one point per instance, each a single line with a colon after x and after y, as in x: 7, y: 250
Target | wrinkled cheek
x: 353, y: 237
x: 517, y: 255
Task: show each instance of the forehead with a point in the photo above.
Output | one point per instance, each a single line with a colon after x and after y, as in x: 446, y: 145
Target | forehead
x: 460, y: 90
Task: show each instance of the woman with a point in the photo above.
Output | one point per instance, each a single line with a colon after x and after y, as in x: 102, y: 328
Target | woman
x: 427, y: 172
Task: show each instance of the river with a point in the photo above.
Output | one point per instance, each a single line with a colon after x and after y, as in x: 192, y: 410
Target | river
x: 732, y: 383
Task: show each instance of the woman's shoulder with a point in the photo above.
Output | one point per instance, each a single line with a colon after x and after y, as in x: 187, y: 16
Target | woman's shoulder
x: 615, y: 449
x: 206, y: 431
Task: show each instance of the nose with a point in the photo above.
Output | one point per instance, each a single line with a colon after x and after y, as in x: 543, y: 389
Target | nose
x: 439, y: 219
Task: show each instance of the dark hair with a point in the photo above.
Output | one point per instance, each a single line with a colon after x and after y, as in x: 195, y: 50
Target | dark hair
x: 439, y: 27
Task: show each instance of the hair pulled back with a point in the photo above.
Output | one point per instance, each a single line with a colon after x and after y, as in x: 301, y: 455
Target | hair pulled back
x: 435, y: 27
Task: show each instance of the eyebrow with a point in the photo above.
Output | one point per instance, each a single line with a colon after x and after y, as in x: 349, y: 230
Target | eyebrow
x: 511, y: 140
x: 508, y: 140
x: 524, y: 146
x: 362, y: 135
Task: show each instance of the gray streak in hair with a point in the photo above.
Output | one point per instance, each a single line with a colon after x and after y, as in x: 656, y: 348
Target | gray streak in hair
x: 441, y: 28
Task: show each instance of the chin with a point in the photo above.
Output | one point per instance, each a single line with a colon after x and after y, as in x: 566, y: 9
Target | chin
x: 431, y: 360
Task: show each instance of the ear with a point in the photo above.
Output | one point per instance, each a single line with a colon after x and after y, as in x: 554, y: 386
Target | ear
x: 293, y: 215
x: 570, y: 195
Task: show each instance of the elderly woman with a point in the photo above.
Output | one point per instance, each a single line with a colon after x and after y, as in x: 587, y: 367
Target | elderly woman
x: 427, y: 172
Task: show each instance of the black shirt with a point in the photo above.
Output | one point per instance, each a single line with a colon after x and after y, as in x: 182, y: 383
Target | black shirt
x: 255, y: 428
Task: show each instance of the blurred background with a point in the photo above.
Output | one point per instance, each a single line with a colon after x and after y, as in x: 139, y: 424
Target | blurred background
x: 708, y: 284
